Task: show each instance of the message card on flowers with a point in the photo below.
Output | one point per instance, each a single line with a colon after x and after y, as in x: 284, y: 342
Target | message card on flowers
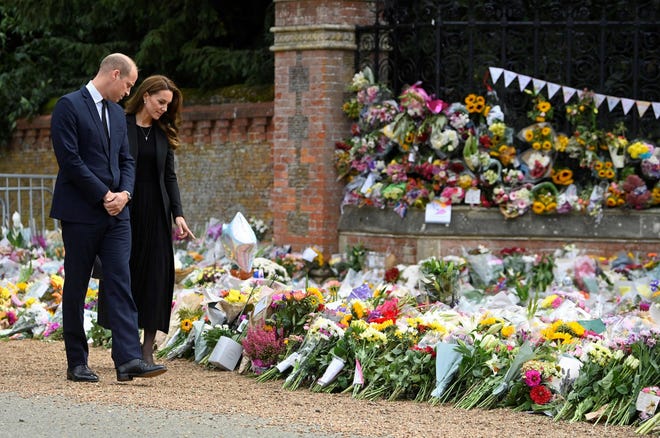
x: 438, y: 212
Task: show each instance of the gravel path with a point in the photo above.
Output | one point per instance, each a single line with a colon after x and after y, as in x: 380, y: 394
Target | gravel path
x: 36, y: 400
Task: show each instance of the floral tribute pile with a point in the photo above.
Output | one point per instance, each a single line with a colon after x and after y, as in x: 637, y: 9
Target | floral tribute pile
x: 406, y: 152
x: 566, y: 334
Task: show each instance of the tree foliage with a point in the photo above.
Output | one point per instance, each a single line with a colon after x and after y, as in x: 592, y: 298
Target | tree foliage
x: 51, y: 47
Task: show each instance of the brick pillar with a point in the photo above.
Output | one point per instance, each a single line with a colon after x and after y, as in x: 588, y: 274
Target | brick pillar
x: 314, y: 61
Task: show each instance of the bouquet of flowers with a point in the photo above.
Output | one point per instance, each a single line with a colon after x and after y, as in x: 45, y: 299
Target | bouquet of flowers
x: 538, y: 164
x: 610, y: 379
x: 292, y: 310
x: 540, y: 136
x: 368, y: 343
x: 636, y: 193
x: 545, y: 198
x: 533, y: 390
x: 182, y: 342
x: 312, y: 354
x: 640, y: 150
x: 519, y: 201
x: 263, y: 345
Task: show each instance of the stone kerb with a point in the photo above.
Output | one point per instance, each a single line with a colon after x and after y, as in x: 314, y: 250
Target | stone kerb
x: 412, y: 239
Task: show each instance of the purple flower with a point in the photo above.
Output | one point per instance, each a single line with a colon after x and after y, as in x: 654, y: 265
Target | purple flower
x: 214, y: 231
x: 644, y: 306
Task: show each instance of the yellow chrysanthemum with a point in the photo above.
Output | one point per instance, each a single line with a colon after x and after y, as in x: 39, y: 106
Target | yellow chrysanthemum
x: 56, y: 281
x: 507, y: 331
x: 437, y: 327
x: 381, y: 326
x: 488, y: 321
x: 562, y: 142
x: 346, y: 319
x: 91, y: 294
x: 414, y: 322
x: 358, y: 309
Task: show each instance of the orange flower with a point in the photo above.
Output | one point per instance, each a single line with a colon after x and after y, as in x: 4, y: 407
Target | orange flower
x: 299, y: 295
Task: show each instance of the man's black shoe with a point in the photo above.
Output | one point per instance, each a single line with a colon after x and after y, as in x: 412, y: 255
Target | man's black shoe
x: 81, y: 373
x: 138, y: 368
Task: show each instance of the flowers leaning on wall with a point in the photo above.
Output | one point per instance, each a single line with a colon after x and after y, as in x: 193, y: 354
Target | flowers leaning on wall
x: 405, y: 152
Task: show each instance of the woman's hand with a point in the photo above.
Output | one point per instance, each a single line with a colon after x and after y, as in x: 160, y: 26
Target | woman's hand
x: 182, y: 230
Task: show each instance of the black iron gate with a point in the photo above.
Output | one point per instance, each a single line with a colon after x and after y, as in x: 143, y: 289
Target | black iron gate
x: 610, y: 47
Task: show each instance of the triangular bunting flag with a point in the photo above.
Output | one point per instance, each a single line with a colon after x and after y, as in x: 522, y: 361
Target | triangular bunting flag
x: 509, y: 76
x: 612, y: 102
x: 656, y: 109
x: 627, y: 104
x: 538, y: 85
x: 552, y: 89
x: 495, y: 73
x: 568, y: 93
x: 599, y: 98
x: 642, y: 106
x: 581, y: 93
x: 523, y: 80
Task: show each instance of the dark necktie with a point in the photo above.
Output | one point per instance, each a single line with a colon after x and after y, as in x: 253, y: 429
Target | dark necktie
x: 104, y: 108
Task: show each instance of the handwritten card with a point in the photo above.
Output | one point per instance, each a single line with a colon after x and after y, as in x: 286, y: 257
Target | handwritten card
x: 438, y: 212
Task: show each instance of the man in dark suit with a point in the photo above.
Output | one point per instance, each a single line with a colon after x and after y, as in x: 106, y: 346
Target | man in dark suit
x: 93, y: 187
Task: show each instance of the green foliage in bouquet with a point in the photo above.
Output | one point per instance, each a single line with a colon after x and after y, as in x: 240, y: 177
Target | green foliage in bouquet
x: 355, y: 258
x: 608, y: 383
x: 542, y: 274
x: 212, y: 335
x: 411, y: 373
x: 471, y: 371
x: 100, y: 336
x: 440, y: 279
x: 293, y: 309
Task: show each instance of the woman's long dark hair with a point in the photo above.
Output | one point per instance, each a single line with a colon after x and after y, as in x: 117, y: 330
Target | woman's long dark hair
x: 170, y: 121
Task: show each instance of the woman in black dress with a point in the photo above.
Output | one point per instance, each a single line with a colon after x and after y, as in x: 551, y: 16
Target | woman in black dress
x: 153, y: 117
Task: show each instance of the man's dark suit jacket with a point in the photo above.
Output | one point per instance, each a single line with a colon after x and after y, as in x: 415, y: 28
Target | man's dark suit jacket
x: 89, y: 167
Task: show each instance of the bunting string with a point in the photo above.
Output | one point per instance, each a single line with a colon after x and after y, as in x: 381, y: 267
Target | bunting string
x: 568, y: 92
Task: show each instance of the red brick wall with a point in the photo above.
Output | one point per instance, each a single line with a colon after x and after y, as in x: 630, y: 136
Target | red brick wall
x: 314, y: 61
x: 224, y: 164
x: 310, y: 12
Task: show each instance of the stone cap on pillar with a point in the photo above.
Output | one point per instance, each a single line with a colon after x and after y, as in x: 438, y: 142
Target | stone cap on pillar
x: 314, y: 37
